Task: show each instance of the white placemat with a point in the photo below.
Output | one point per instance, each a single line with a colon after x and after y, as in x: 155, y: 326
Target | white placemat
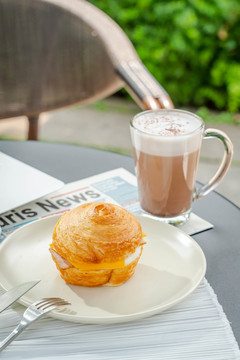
x: 195, y: 329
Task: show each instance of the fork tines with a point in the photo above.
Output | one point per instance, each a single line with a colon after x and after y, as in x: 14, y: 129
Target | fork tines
x: 46, y: 303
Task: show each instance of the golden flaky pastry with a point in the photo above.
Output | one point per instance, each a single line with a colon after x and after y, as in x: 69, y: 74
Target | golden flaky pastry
x: 97, y: 244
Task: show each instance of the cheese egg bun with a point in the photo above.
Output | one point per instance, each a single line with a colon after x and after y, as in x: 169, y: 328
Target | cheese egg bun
x: 97, y: 244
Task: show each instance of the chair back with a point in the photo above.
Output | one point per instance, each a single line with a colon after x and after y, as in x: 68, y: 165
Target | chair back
x: 55, y: 53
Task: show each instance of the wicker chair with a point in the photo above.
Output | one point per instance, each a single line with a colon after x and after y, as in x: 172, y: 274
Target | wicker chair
x: 55, y: 53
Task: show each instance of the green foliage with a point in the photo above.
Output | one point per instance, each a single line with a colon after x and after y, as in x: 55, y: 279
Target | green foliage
x: 192, y: 47
x: 216, y: 117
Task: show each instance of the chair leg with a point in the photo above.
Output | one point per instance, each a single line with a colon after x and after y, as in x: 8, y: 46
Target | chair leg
x: 33, y: 127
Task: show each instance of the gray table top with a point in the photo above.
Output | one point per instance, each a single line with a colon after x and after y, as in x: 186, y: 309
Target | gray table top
x: 221, y: 245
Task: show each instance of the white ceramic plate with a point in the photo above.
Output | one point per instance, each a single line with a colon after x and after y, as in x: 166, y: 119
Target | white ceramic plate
x: 171, y: 267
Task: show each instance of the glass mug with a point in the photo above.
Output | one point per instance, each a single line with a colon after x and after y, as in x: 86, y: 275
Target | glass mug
x: 166, y: 145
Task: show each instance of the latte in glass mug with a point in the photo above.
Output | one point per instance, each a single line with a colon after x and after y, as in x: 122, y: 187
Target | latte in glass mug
x: 166, y: 146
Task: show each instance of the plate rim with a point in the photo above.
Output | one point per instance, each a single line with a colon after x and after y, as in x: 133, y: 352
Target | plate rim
x: 113, y: 319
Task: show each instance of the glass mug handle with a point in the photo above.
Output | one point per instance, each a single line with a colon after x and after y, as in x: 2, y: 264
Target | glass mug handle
x: 226, y: 161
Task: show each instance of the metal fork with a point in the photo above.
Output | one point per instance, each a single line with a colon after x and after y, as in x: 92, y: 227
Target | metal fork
x: 32, y: 313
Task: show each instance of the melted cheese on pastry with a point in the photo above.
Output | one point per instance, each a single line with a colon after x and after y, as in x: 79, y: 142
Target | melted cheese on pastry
x: 120, y: 264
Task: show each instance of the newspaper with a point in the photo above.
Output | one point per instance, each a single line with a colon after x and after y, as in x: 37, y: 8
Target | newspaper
x: 116, y: 186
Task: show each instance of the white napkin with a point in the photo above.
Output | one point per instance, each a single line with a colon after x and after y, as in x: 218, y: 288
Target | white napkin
x: 195, y: 329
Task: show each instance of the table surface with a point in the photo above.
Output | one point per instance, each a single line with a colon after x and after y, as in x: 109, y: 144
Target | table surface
x: 221, y: 245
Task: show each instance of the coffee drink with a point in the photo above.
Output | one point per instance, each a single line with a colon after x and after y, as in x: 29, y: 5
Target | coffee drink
x: 166, y: 183
x: 166, y: 151
x: 166, y: 146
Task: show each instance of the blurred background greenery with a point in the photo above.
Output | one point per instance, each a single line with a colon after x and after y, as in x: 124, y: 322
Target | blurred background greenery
x: 192, y: 47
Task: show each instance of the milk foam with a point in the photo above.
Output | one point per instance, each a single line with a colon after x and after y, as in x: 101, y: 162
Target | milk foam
x: 167, y: 133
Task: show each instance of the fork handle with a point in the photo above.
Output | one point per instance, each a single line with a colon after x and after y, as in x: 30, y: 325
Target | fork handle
x: 12, y: 336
